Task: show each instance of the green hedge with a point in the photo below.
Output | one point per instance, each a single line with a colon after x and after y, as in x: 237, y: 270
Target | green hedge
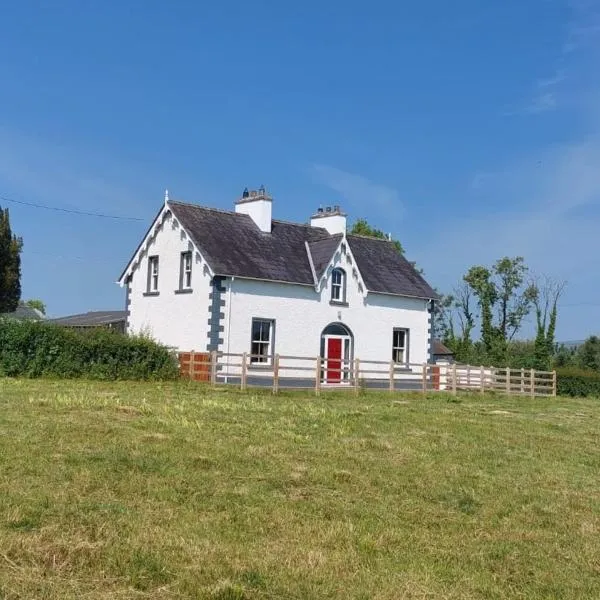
x: 30, y: 349
x: 577, y: 382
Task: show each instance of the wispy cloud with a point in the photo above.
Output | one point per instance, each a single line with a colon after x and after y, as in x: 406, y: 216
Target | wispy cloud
x: 550, y: 199
x: 358, y: 191
x: 582, y: 39
x: 39, y: 170
x: 551, y: 217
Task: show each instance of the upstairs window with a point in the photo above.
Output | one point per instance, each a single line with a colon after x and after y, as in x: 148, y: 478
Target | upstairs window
x: 400, y: 346
x: 338, y: 285
x: 185, y: 277
x: 262, y: 341
x: 153, y: 274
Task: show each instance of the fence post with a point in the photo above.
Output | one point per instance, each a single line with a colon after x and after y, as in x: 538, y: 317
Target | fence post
x: 532, y: 382
x: 482, y: 379
x: 214, y: 356
x: 469, y: 377
x: 454, y: 378
x: 392, y: 366
x: 424, y: 381
x: 522, y: 380
x: 508, y: 381
x: 356, y: 375
x: 276, y: 374
x: 318, y: 377
x: 191, y: 367
x: 244, y: 371
x: 554, y: 390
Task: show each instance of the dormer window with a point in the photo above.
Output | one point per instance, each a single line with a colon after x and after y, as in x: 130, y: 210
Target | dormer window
x: 338, y: 286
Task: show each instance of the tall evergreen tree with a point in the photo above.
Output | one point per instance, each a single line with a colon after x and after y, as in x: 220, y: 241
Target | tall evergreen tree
x: 10, y: 265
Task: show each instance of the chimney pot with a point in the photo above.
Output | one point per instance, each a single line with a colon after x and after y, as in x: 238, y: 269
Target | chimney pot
x: 330, y: 218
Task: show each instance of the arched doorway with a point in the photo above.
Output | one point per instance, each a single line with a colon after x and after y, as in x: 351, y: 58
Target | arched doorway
x: 337, y: 347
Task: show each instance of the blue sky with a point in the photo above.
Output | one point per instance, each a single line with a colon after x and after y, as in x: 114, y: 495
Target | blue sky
x: 469, y: 130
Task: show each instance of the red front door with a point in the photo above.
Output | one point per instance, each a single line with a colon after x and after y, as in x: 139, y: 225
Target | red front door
x: 334, y: 360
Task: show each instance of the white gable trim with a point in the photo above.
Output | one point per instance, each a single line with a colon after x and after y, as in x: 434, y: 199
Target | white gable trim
x: 330, y: 265
x: 312, y: 264
x: 158, y: 222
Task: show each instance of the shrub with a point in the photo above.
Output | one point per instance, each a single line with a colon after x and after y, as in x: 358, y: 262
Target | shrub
x: 35, y: 349
x: 577, y: 382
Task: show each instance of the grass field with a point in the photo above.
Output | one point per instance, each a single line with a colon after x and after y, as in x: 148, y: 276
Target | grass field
x: 177, y: 491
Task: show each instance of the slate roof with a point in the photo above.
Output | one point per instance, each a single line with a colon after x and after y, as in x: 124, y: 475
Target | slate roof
x: 233, y: 245
x: 384, y: 270
x: 439, y: 349
x: 321, y: 252
x: 91, y: 319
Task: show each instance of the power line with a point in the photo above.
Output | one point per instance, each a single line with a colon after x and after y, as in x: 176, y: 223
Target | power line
x: 69, y: 210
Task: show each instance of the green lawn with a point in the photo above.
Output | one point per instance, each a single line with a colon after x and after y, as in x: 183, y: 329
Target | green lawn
x: 124, y: 490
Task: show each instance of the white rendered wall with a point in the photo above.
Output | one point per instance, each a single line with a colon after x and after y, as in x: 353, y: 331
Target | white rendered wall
x: 176, y: 320
x: 301, y: 314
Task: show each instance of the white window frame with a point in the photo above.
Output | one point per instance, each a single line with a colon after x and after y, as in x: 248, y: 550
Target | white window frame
x: 404, y: 348
x: 257, y: 358
x: 153, y: 265
x: 338, y: 287
x: 187, y: 259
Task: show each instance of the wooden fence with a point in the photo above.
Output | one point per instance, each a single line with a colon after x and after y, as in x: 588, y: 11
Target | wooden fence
x: 321, y: 375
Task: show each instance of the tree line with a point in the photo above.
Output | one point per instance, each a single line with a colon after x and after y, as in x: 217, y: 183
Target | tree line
x: 481, y: 318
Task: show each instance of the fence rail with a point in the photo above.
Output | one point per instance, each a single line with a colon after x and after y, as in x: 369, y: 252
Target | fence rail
x: 325, y: 374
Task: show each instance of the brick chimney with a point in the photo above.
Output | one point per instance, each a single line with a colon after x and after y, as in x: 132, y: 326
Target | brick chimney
x: 258, y: 205
x: 330, y: 218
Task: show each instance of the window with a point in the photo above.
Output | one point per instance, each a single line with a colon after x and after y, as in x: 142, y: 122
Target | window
x: 185, y: 277
x: 262, y: 341
x: 338, y: 285
x: 400, y: 346
x: 153, y: 274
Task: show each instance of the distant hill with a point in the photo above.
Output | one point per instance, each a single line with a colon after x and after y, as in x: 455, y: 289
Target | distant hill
x: 571, y: 344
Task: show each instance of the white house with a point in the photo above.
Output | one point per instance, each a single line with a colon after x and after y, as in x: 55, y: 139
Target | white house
x: 237, y: 282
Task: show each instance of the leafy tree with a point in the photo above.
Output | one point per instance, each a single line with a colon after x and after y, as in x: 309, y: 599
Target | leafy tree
x: 479, y: 279
x: 37, y: 304
x: 588, y: 354
x: 458, y: 321
x: 10, y: 265
x: 565, y: 357
x: 503, y: 301
x: 362, y: 227
x: 545, y: 301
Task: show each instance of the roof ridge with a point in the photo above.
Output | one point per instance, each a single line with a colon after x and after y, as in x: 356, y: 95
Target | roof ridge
x: 233, y: 212
x: 210, y: 208
x: 294, y: 223
x: 369, y: 237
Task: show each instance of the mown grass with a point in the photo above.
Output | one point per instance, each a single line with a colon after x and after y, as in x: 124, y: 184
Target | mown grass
x: 178, y: 491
